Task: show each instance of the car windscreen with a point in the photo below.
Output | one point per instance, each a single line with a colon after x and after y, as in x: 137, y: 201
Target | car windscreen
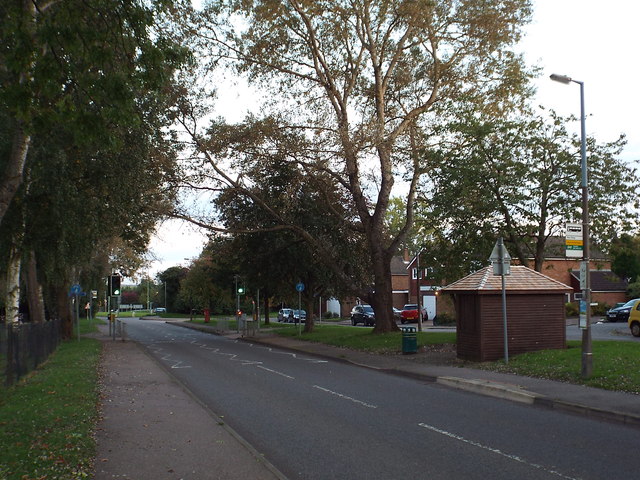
x: 367, y: 309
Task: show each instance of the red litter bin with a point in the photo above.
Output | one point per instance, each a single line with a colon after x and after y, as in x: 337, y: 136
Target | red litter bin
x: 207, y: 316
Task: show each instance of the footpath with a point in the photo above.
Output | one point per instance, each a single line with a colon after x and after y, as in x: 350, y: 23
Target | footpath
x: 153, y: 428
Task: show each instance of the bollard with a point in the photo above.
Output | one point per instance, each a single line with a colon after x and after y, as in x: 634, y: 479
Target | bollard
x: 409, y: 340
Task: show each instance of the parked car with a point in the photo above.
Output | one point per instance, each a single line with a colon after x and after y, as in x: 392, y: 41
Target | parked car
x: 620, y: 314
x: 298, y: 316
x: 397, y: 314
x: 363, y: 314
x: 410, y: 313
x: 284, y: 314
x: 161, y: 310
x: 634, y: 317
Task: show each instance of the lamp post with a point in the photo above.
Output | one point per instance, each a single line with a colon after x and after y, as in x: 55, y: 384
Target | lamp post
x: 585, y: 283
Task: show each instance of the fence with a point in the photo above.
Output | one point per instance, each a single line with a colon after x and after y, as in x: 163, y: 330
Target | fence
x: 24, y: 346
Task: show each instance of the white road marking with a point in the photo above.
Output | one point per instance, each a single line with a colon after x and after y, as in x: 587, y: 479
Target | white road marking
x: 368, y: 405
x: 493, y: 450
x: 276, y: 372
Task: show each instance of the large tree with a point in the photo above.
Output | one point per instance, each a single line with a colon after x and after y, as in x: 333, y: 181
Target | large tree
x: 363, y: 81
x: 85, y: 92
x: 519, y: 178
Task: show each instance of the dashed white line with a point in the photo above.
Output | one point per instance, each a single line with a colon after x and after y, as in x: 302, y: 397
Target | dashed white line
x: 493, y: 450
x: 368, y: 405
x: 276, y: 372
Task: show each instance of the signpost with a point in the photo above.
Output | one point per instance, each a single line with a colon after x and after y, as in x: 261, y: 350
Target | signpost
x: 501, y: 262
x: 300, y: 289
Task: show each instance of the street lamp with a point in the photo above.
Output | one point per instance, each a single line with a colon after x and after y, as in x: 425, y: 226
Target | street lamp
x: 585, y: 284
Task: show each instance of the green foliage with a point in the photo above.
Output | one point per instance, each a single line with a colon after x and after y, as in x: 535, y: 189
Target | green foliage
x: 571, y: 309
x: 516, y: 178
x: 48, y: 419
x: 633, y: 289
x: 444, y: 319
x: 625, y: 253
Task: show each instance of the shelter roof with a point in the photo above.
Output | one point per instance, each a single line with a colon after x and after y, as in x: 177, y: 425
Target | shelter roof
x: 522, y: 280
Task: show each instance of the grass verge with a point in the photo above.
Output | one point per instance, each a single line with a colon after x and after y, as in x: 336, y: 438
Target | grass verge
x: 47, y: 419
x: 359, y: 338
x: 615, y: 365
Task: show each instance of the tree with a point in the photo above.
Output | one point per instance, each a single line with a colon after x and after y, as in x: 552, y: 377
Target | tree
x: 85, y: 91
x: 274, y: 259
x: 518, y: 179
x: 362, y: 80
x: 171, y: 279
x: 625, y: 253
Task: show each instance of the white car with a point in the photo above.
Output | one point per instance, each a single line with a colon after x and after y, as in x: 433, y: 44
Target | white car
x: 284, y: 315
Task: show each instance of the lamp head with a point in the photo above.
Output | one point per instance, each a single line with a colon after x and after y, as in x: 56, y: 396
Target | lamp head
x: 560, y: 78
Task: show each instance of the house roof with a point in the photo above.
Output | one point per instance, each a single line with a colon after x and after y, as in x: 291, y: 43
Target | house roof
x: 398, y: 266
x: 604, y: 281
x: 521, y: 279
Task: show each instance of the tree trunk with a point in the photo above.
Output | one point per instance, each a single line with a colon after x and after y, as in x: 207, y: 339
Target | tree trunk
x: 309, y: 304
x: 382, y: 298
x: 34, y: 291
x: 12, y: 175
x: 63, y: 309
x: 267, y: 306
x: 12, y: 309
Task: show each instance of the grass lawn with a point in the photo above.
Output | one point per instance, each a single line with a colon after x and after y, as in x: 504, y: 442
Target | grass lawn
x: 47, y: 419
x: 360, y: 338
x: 615, y: 365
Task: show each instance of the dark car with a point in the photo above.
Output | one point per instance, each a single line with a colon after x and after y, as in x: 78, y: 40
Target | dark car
x: 620, y: 314
x: 363, y: 314
x: 299, y: 316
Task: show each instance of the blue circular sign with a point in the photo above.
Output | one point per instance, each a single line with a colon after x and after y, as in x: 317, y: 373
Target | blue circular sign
x: 75, y: 289
x: 300, y: 287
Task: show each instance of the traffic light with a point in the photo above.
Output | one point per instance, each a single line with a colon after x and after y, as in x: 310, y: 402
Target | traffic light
x: 114, y: 285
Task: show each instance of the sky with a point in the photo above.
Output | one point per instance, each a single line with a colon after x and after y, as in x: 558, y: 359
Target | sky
x: 591, y: 41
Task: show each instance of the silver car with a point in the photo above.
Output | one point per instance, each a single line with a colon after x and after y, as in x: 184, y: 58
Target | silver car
x: 285, y: 315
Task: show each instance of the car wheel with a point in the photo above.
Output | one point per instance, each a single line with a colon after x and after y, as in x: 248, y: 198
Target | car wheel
x: 353, y: 321
x: 635, y: 329
x: 403, y: 321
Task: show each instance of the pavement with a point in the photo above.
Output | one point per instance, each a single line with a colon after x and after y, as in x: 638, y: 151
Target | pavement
x: 153, y: 428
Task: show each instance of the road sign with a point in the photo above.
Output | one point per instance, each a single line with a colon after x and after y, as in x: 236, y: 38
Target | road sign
x: 574, y: 240
x: 500, y: 259
x: 75, y: 289
x: 300, y: 287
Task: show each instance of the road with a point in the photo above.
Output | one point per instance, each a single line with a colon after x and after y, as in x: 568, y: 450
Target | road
x: 319, y: 419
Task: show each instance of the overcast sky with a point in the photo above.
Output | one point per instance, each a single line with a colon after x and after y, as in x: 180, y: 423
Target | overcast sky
x: 592, y: 41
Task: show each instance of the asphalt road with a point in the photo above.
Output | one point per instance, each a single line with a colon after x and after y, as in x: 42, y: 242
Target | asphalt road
x: 318, y: 419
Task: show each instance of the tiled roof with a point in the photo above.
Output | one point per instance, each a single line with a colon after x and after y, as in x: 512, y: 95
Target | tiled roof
x: 604, y: 281
x: 520, y: 279
x: 398, y: 266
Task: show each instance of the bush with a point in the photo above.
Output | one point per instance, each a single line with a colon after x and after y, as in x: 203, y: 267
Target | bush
x: 444, y: 319
x: 600, y: 309
x: 571, y: 309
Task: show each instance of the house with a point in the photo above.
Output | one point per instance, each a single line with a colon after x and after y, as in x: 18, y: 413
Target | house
x: 606, y: 286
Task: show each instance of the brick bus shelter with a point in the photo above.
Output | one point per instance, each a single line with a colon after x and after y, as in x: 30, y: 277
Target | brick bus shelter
x: 535, y: 313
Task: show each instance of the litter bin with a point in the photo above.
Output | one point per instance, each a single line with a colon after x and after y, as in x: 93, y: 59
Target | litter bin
x: 409, y: 340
